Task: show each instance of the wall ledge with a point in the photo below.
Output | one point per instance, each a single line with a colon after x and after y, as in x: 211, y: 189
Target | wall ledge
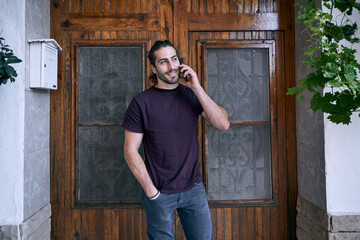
x: 36, y: 227
x: 313, y: 223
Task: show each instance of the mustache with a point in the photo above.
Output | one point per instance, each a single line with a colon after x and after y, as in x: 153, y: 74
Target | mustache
x: 173, y: 70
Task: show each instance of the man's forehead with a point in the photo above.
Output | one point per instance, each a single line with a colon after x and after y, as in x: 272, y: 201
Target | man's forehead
x: 165, y: 52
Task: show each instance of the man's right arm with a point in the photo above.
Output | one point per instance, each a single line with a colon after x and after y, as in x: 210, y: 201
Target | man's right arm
x: 136, y: 163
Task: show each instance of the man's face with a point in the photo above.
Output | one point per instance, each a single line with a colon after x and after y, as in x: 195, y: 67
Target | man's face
x: 166, y: 65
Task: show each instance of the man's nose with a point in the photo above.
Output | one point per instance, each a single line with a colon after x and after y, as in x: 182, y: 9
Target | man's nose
x: 172, y: 65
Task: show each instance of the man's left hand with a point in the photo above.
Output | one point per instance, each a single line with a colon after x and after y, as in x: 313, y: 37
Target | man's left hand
x: 192, y: 78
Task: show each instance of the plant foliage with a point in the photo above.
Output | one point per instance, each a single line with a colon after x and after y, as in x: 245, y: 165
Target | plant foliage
x: 7, y: 57
x: 334, y: 64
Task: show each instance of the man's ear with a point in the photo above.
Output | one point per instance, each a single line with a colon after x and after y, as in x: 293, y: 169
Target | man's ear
x: 153, y: 69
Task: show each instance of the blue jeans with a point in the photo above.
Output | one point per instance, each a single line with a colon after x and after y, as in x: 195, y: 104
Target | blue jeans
x: 193, y: 211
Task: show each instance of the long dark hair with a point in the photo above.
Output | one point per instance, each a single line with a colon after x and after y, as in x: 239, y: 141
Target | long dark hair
x: 157, y: 45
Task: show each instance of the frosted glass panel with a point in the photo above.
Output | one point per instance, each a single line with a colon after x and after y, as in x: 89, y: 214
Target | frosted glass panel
x: 108, y: 78
x: 103, y: 172
x: 239, y: 163
x: 239, y: 160
x: 238, y: 79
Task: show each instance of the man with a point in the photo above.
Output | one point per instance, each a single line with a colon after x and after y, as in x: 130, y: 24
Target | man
x: 165, y: 118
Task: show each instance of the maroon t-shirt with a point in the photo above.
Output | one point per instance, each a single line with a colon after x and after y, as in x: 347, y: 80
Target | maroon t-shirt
x: 168, y: 119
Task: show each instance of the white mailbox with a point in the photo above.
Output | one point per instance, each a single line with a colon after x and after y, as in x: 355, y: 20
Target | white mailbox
x: 43, y: 63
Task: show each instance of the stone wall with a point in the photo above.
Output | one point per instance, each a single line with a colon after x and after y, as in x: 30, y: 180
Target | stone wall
x: 37, y: 227
x: 313, y: 223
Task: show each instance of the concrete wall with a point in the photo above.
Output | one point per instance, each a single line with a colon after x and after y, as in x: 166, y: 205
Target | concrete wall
x: 343, y: 167
x: 12, y: 101
x: 328, y: 168
x: 343, y: 157
x: 24, y: 130
x: 37, y: 117
x: 310, y: 133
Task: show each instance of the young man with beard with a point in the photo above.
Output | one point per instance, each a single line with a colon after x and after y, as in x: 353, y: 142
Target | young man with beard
x: 165, y: 118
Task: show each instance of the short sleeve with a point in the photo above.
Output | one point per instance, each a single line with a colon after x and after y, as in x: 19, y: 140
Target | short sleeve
x: 196, y: 103
x: 133, y: 120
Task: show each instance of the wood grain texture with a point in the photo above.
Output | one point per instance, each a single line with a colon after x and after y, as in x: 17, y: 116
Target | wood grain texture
x: 167, y: 25
x: 254, y: 222
x: 188, y: 24
x: 234, y: 22
x: 140, y: 21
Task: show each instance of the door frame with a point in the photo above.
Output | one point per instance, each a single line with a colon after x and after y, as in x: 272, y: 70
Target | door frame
x: 144, y: 44
x: 173, y: 23
x: 274, y: 81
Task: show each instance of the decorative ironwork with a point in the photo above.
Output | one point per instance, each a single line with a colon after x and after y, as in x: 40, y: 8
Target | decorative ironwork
x: 239, y: 163
x: 239, y: 160
x: 238, y: 79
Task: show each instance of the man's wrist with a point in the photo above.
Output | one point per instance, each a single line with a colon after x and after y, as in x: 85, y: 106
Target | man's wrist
x: 198, y: 89
x: 151, y: 191
x: 155, y: 196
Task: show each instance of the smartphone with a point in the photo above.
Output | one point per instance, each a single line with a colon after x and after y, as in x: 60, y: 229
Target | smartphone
x: 181, y: 60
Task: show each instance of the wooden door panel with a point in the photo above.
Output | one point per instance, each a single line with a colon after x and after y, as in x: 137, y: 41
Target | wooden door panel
x: 240, y: 164
x: 109, y: 224
x: 188, y: 24
x: 243, y: 219
x: 87, y: 222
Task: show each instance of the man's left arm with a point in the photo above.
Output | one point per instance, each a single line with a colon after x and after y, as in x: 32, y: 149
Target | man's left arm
x: 215, y: 114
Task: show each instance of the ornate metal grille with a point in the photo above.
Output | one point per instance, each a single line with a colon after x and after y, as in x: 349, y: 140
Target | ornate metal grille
x: 239, y: 160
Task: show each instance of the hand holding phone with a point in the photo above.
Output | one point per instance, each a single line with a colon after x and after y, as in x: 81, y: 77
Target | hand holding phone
x: 182, y: 62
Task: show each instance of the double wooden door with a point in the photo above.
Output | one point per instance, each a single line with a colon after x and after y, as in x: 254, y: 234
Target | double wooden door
x: 244, y: 55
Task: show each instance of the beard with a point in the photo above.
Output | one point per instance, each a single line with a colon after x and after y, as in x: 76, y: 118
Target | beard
x: 166, y: 78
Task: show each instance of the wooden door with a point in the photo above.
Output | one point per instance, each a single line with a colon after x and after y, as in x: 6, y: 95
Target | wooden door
x: 244, y: 54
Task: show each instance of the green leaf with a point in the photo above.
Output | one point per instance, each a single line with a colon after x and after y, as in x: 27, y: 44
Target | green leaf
x: 2, y: 71
x: 327, y: 5
x: 334, y: 83
x: 329, y: 74
x: 357, y: 5
x: 328, y: 16
x: 310, y: 51
x: 297, y: 92
x: 9, y: 70
x: 339, y: 118
x: 316, y: 101
x: 349, y: 31
x: 9, y: 55
x: 331, y: 70
x: 5, y: 49
x: 13, y: 59
x: 350, y: 76
x: 312, y: 61
x: 3, y: 79
x: 343, y: 5
x: 311, y: 82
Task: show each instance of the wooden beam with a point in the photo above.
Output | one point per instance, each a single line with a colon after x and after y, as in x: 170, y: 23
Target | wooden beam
x: 234, y: 22
x: 91, y: 22
x: 167, y: 26
x: 181, y: 28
